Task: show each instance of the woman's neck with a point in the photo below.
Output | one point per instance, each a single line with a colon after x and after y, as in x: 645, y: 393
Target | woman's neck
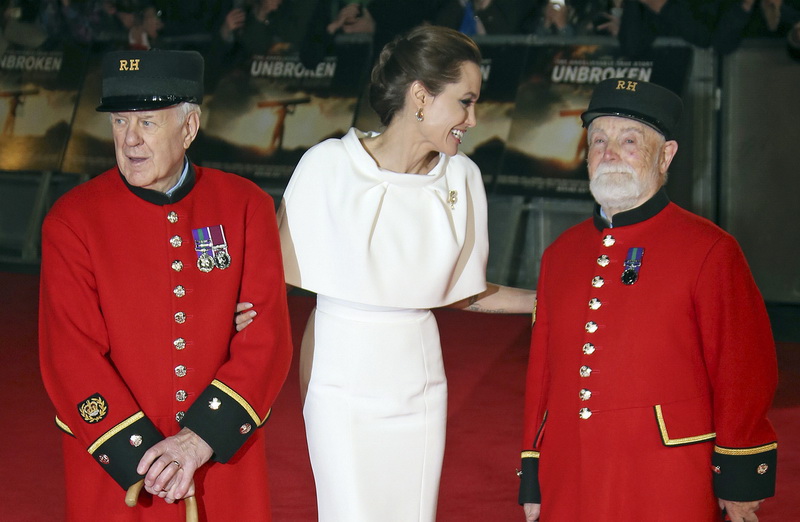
x: 395, y: 149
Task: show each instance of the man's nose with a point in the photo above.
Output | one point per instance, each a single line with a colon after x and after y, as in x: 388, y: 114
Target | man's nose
x: 133, y: 136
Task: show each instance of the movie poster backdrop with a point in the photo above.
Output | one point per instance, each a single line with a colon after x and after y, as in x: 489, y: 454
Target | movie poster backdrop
x: 38, y: 92
x: 90, y: 150
x: 260, y: 116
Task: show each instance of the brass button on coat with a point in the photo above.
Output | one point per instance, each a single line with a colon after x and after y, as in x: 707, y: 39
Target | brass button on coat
x: 598, y: 281
x: 180, y: 370
x: 585, y: 371
x: 175, y: 241
x: 609, y: 240
x: 172, y: 217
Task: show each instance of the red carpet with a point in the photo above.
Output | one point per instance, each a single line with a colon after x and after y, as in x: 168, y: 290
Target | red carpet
x: 485, y: 357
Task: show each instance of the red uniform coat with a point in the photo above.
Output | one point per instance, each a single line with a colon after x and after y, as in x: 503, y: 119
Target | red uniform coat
x: 136, y: 341
x: 646, y: 401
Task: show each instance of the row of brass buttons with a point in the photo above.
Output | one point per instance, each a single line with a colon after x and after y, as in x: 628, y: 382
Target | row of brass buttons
x: 591, y: 327
x: 180, y: 317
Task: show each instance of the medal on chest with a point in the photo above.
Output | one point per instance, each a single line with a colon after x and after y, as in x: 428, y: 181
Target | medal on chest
x: 211, y: 248
x: 630, y: 272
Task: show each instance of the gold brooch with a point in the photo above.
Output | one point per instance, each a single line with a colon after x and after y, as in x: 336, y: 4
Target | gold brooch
x: 452, y: 198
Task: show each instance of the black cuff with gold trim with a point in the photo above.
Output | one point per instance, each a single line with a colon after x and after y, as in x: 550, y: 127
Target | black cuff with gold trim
x: 121, y: 448
x: 223, y: 419
x: 745, y: 474
x: 529, y: 479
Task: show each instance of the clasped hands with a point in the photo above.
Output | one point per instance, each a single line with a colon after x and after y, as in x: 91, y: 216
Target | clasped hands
x: 169, y: 466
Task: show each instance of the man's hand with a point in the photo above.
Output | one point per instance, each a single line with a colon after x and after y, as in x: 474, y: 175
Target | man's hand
x: 234, y: 21
x: 654, y: 5
x: 794, y: 36
x: 741, y: 511
x: 611, y: 25
x: 170, y: 465
x: 531, y: 512
x: 347, y: 15
x: 556, y: 15
x: 771, y: 9
x: 244, y: 315
x: 363, y: 24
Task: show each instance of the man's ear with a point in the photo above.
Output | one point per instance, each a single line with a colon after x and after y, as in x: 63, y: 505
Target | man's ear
x: 190, y: 128
x: 667, y: 153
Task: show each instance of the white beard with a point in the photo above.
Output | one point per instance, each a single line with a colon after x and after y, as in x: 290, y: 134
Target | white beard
x: 616, y: 186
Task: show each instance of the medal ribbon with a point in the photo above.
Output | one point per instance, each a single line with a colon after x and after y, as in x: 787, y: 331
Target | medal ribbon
x: 632, y: 265
x: 217, y: 235
x: 202, y: 241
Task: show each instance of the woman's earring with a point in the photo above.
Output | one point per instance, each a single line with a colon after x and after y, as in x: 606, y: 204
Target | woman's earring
x: 420, y: 116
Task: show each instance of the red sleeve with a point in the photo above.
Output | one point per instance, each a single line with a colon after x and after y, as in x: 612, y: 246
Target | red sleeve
x: 740, y: 357
x: 76, y: 370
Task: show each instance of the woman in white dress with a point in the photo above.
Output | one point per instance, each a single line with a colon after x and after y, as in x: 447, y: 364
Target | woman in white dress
x: 383, y: 227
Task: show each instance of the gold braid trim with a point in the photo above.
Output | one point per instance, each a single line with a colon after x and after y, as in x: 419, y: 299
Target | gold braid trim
x: 530, y: 454
x: 746, y: 451
x: 662, y: 426
x: 63, y: 426
x: 240, y: 400
x: 116, y: 429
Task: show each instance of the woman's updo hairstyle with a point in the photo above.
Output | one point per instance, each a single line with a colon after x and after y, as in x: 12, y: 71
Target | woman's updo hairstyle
x: 430, y: 54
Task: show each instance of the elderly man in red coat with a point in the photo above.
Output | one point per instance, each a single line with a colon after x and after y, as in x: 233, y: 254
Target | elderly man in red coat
x: 652, y: 364
x: 142, y: 268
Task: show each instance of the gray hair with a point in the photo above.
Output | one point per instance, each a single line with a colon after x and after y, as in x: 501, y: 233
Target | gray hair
x: 186, y: 108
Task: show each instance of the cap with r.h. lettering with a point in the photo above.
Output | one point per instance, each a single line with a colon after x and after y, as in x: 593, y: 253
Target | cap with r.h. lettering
x: 147, y: 80
x: 647, y: 102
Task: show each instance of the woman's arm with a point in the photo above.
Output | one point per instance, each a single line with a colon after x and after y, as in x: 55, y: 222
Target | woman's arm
x: 245, y: 314
x: 498, y: 299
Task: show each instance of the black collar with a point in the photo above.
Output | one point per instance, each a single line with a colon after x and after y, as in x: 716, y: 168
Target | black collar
x: 159, y: 198
x: 643, y: 212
